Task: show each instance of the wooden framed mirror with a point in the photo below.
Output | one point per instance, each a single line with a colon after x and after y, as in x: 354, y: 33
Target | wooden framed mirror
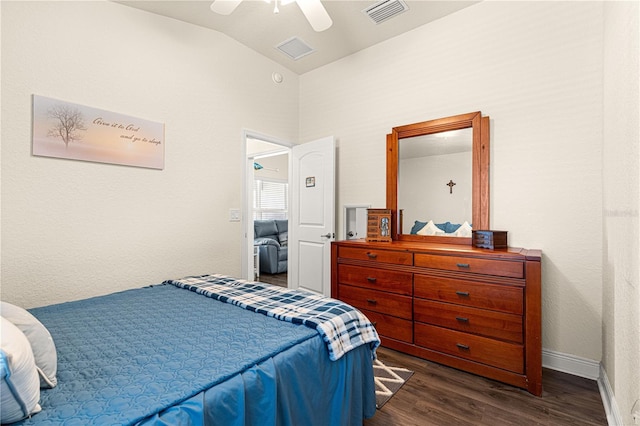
x: 429, y: 162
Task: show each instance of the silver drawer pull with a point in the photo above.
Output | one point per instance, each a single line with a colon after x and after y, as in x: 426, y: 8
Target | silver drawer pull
x: 463, y: 265
x: 372, y: 301
x: 371, y: 279
x: 462, y: 293
x: 462, y: 319
x: 372, y: 255
x: 463, y: 347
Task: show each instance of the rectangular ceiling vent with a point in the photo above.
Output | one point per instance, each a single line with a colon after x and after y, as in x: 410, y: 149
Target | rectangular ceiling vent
x: 385, y: 9
x: 295, y: 48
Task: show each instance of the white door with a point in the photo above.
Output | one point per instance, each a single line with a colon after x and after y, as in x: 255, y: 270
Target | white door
x: 312, y: 219
x: 355, y: 222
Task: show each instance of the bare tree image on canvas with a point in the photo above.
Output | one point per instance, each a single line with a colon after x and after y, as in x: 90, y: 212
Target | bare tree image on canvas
x: 69, y: 123
x: 94, y: 134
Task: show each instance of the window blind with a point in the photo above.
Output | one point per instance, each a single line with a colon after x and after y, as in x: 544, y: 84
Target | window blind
x: 270, y: 199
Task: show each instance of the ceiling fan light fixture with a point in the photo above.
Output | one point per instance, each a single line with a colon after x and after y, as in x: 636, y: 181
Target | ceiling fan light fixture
x: 280, y: 2
x: 276, y: 10
x: 313, y: 10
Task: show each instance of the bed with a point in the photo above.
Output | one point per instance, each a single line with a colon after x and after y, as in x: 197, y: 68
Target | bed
x: 208, y: 350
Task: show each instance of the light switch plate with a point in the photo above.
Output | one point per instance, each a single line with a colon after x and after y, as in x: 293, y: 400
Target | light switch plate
x: 234, y: 215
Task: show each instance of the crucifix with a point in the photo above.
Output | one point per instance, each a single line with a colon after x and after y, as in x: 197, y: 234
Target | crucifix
x: 450, y: 185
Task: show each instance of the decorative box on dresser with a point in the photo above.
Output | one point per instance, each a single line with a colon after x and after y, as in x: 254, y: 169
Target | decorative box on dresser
x: 473, y: 309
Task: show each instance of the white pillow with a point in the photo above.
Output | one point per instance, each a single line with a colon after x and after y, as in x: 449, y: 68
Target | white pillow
x: 20, y: 392
x: 430, y: 229
x: 464, y: 230
x: 42, y: 345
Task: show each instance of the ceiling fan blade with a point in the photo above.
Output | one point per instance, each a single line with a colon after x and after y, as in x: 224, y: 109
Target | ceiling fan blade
x: 224, y: 7
x: 316, y: 14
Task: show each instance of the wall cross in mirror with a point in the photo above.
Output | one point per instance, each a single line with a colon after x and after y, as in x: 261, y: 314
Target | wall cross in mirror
x: 420, y: 156
x: 450, y: 185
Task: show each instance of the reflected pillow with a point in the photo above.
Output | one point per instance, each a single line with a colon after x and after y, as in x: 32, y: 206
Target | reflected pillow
x: 448, y: 227
x: 20, y: 391
x: 430, y: 229
x: 417, y: 225
x: 464, y: 230
x: 452, y: 227
x: 44, y: 350
x: 443, y: 226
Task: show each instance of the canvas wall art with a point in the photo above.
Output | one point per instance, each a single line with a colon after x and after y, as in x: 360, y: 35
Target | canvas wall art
x: 66, y: 130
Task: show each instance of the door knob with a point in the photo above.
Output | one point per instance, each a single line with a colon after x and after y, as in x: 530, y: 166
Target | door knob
x: 328, y: 235
x: 350, y: 234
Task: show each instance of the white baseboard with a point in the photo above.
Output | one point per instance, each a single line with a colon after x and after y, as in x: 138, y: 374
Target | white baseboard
x: 571, y: 364
x: 589, y: 369
x: 609, y: 400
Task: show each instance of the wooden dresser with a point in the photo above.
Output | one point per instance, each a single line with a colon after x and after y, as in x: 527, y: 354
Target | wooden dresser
x: 473, y: 309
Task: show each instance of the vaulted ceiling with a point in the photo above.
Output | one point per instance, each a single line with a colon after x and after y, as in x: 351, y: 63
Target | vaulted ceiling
x: 255, y: 25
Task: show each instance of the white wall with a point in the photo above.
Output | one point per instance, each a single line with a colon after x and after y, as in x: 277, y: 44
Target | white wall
x: 536, y: 69
x: 74, y: 229
x: 423, y: 192
x: 621, y: 234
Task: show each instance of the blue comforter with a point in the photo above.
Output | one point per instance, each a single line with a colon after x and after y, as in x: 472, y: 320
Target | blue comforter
x: 129, y: 357
x: 341, y: 326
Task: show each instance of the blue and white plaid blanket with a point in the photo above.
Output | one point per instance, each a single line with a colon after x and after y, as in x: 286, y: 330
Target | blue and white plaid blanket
x: 341, y: 326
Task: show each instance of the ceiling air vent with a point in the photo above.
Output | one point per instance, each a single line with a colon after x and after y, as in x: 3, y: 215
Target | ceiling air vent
x: 295, y: 48
x: 385, y: 9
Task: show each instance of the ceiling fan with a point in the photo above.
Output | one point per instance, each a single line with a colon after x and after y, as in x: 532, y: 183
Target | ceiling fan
x: 313, y: 10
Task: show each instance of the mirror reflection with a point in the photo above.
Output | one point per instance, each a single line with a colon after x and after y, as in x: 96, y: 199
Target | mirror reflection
x: 435, y: 184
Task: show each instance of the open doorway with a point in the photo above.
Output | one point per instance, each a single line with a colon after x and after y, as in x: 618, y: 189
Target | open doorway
x: 267, y: 199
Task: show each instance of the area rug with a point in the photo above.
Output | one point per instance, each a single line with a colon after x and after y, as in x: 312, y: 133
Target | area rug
x: 388, y: 381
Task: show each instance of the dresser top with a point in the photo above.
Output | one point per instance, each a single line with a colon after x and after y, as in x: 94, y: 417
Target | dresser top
x: 509, y: 253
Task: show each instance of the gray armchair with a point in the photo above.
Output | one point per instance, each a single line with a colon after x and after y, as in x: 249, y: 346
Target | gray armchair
x: 272, y: 237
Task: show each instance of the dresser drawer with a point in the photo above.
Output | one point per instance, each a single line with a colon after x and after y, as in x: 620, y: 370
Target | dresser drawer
x: 507, y: 356
x: 377, y: 301
x: 392, y: 327
x: 503, y: 268
x: 471, y: 320
x: 374, y: 255
x: 496, y: 297
x: 376, y: 279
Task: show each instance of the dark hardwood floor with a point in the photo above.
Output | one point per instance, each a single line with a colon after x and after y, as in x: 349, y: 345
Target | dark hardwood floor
x: 277, y: 279
x: 439, y: 395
